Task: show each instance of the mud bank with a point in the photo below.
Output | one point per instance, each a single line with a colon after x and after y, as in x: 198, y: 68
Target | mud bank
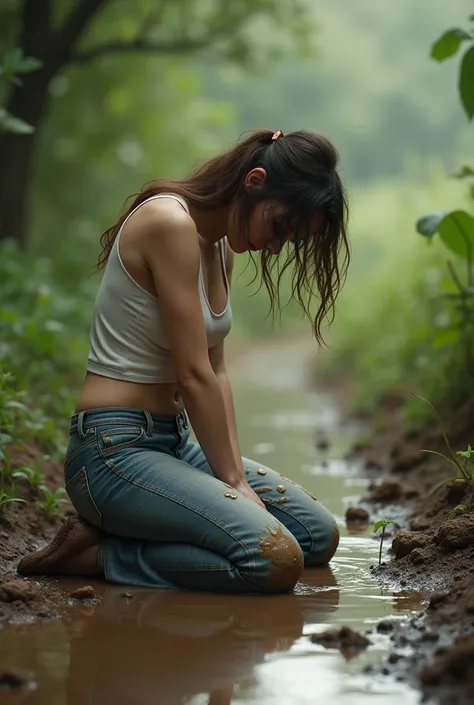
x: 432, y: 552
x: 24, y: 528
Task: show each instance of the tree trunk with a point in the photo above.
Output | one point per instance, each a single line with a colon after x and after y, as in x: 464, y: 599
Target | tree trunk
x: 27, y: 102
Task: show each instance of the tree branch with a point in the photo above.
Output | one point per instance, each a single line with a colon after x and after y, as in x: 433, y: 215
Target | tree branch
x: 75, y: 24
x: 180, y: 46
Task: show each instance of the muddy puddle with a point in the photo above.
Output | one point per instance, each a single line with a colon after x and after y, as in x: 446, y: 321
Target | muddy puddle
x: 145, y: 647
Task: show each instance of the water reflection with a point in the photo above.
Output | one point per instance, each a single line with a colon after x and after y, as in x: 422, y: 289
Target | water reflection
x: 166, y: 647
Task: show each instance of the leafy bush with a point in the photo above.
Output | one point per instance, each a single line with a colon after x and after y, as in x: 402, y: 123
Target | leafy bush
x: 43, y: 347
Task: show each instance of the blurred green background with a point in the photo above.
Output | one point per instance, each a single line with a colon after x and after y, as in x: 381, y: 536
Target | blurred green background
x: 113, y: 116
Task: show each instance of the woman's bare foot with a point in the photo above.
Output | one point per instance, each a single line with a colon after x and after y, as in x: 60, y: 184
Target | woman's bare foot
x: 73, y: 539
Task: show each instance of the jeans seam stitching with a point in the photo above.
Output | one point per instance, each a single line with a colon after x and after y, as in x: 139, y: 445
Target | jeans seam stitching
x: 83, y: 473
x: 77, y: 451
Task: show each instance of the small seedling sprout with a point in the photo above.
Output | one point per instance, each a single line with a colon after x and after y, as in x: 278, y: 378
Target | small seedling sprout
x: 382, y: 524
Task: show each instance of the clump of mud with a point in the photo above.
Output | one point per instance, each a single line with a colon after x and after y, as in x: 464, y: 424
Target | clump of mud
x: 24, y: 601
x: 349, y: 642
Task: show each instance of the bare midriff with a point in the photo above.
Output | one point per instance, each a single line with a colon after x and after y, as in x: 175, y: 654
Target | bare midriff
x: 100, y: 392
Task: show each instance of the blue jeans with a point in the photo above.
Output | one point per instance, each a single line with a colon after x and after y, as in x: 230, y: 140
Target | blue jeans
x: 168, y: 522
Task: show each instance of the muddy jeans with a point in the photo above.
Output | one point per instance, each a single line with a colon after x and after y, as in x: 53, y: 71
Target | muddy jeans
x: 168, y: 522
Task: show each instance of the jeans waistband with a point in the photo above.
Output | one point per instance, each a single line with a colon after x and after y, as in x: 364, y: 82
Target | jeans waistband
x: 152, y: 423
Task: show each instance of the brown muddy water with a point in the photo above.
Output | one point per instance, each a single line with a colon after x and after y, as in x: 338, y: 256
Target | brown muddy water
x: 143, y: 647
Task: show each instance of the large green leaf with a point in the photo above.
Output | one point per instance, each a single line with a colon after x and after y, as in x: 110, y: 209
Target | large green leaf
x: 456, y: 230
x: 448, y: 44
x: 466, y: 82
x: 428, y: 224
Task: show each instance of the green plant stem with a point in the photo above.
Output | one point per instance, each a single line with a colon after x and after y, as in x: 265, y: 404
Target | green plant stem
x: 381, y: 544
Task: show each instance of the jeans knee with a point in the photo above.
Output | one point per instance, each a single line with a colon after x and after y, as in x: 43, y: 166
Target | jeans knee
x: 282, y: 561
x: 325, y: 549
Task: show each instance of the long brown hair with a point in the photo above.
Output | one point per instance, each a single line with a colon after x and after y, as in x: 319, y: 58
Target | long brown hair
x: 302, y: 173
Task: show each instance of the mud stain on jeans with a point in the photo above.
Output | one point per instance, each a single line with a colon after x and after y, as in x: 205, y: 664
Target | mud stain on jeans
x: 285, y: 557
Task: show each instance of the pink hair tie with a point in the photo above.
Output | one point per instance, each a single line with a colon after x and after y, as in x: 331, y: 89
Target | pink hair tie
x: 277, y: 135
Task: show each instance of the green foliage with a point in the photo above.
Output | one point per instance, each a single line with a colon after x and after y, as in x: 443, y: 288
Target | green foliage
x: 51, y: 502
x: 8, y: 490
x: 459, y: 510
x: 448, y: 45
x: 6, y: 499
x: 32, y: 475
x: 43, y: 343
x: 461, y: 460
x: 14, y: 63
x: 382, y: 524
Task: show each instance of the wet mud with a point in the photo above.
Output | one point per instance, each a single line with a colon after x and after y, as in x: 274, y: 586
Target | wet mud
x: 431, y: 552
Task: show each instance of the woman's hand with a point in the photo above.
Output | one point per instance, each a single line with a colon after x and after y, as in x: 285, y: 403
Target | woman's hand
x: 243, y: 486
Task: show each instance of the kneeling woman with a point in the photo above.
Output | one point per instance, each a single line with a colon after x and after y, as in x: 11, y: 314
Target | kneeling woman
x: 154, y: 508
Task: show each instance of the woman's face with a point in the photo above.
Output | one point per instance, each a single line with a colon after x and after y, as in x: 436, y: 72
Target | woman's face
x: 264, y: 230
x: 266, y: 226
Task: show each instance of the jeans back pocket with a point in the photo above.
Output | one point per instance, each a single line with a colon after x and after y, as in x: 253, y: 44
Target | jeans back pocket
x: 79, y: 492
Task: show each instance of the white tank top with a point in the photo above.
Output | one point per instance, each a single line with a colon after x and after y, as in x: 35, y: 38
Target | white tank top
x: 128, y: 338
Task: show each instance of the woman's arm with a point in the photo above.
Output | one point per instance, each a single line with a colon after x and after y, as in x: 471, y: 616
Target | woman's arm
x: 171, y: 249
x: 216, y: 356
x: 169, y: 244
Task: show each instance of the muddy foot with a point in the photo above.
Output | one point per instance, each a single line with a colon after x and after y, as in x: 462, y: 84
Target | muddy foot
x: 74, y: 537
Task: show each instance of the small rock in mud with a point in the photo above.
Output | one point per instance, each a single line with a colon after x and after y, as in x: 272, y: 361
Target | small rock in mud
x: 455, y: 665
x: 12, y: 590
x: 357, y: 514
x: 436, y: 599
x: 14, y: 679
x: 86, y: 592
x: 127, y: 595
x: 405, y: 541
x: 385, y: 626
x: 387, y: 492
x: 344, y: 639
x: 418, y: 524
x: 456, y: 533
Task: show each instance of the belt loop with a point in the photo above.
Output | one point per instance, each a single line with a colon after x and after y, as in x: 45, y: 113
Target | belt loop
x: 80, y: 427
x: 149, y: 423
x: 185, y: 420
